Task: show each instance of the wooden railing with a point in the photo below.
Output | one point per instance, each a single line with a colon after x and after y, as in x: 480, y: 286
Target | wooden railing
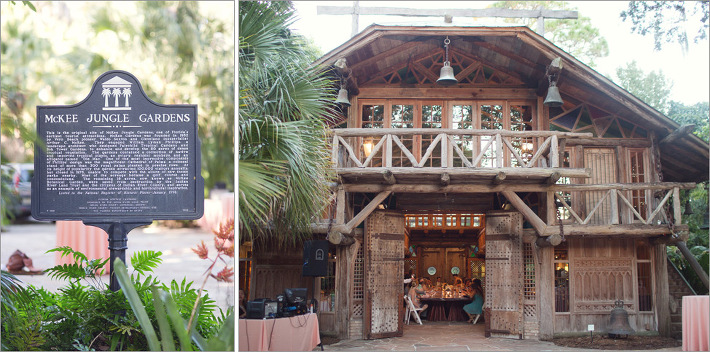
x: 447, y: 148
x: 610, y: 204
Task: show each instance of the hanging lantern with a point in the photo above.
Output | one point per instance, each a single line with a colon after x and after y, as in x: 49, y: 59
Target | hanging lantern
x: 446, y: 76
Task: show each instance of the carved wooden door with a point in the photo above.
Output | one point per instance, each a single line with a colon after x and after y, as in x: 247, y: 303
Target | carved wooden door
x: 504, y: 277
x: 384, y: 275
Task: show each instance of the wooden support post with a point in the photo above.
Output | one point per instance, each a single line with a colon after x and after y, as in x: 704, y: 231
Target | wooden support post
x: 360, y: 217
x: 546, y: 293
x: 676, y: 206
x: 500, y: 177
x: 499, y: 151
x: 389, y: 177
x: 445, y: 179
x: 663, y: 311
x: 614, y: 207
x: 554, y: 152
x: 693, y: 263
x: 529, y: 215
x: 340, y: 206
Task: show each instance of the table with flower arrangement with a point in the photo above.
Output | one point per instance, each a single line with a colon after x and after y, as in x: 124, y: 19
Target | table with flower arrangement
x: 446, y: 305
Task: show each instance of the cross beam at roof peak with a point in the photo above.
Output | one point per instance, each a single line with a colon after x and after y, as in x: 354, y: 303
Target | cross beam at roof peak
x: 356, y: 11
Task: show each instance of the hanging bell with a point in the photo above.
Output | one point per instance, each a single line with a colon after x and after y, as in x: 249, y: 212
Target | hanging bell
x: 343, y: 97
x: 553, y: 98
x: 688, y: 208
x: 619, y: 322
x: 446, y: 77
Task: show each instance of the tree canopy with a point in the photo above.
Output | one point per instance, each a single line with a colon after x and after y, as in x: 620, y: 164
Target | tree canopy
x: 653, y: 87
x: 180, y: 51
x: 577, y: 37
x: 668, y: 21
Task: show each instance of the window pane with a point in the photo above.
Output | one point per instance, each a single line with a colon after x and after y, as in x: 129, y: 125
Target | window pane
x: 644, y: 286
x: 492, y: 117
x: 403, y: 116
x: 431, y: 116
x: 373, y: 116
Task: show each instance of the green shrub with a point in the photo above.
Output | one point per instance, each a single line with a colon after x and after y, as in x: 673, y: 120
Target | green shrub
x: 85, y: 314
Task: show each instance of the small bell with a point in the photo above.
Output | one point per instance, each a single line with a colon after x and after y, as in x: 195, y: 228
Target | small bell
x: 343, y: 97
x: 447, y: 78
x: 553, y: 98
x: 619, y: 321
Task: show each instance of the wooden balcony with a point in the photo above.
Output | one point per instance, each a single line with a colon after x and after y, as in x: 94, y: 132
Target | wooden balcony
x: 433, y: 156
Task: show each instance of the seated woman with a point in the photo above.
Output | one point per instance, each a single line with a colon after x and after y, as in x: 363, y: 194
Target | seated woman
x: 476, y: 306
x: 414, y: 296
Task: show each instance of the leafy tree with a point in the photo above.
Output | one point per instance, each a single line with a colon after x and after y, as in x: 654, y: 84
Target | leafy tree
x: 668, y: 20
x: 577, y: 37
x: 653, y: 88
x: 181, y: 54
x: 692, y: 114
x: 284, y: 163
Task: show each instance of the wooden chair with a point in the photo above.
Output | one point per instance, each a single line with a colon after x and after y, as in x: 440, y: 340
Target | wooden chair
x: 411, y: 309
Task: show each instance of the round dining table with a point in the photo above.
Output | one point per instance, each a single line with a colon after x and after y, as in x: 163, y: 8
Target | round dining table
x: 443, y: 308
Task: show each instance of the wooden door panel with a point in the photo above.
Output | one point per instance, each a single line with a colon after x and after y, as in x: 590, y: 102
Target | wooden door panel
x: 504, y: 279
x: 384, y: 269
x: 432, y: 257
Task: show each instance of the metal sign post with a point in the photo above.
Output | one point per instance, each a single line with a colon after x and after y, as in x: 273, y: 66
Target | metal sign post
x: 117, y: 160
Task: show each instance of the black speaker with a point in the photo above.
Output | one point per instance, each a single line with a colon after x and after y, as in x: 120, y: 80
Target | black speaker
x: 315, y: 258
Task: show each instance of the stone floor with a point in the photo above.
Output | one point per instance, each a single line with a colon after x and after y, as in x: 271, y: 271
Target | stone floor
x: 445, y: 336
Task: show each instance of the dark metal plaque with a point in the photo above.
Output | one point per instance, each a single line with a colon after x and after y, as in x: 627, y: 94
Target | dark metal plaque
x: 117, y: 156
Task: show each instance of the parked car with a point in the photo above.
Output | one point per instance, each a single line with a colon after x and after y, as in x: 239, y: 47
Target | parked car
x: 22, y: 183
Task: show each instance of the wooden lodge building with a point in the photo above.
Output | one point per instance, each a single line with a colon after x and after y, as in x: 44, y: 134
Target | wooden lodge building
x: 560, y: 210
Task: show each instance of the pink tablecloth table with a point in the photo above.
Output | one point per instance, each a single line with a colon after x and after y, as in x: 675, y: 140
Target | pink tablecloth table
x: 299, y: 333
x: 696, y: 323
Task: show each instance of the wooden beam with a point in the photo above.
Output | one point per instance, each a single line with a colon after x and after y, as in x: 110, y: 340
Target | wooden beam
x: 553, y: 178
x: 365, y: 212
x: 523, y: 208
x: 601, y: 231
x: 445, y: 179
x: 499, y: 178
x: 549, y: 241
x: 389, y: 177
x: 681, y: 132
x: 693, y: 263
x: 378, y: 92
x: 407, y: 12
x: 369, y: 132
x: 511, y: 172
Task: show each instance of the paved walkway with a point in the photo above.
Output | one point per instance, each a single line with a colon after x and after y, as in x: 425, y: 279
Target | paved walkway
x: 179, y: 261
x: 446, y: 336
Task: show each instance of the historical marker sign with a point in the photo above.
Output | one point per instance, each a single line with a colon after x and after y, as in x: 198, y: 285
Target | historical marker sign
x: 117, y: 156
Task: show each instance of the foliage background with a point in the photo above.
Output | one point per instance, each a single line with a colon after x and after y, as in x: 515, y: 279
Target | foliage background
x: 181, y: 52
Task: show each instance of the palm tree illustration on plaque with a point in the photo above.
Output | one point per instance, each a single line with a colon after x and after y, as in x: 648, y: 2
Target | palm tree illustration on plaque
x: 116, y: 87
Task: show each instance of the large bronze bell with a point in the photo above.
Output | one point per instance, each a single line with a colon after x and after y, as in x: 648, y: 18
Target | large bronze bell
x: 553, y: 98
x: 446, y: 76
x: 619, y: 322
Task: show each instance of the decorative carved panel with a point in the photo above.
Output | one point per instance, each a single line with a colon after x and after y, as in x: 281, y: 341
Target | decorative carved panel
x: 599, y: 282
